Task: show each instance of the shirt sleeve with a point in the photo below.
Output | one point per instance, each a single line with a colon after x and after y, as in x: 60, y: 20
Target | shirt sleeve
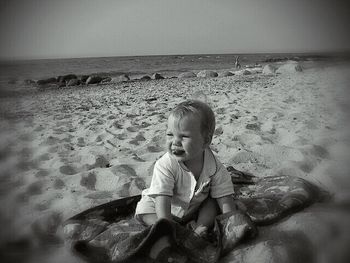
x: 163, y: 180
x: 221, y: 183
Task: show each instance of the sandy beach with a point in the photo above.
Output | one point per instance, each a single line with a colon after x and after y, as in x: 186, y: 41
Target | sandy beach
x: 65, y: 150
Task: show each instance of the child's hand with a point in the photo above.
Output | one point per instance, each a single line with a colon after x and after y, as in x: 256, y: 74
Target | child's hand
x: 226, y: 204
x: 201, y: 230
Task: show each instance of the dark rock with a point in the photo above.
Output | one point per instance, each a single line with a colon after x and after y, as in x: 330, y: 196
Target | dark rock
x: 146, y: 77
x: 66, y: 78
x: 157, y: 76
x: 106, y: 80
x: 84, y: 78
x: 207, y: 74
x: 93, y: 80
x: 46, y: 81
x: 227, y: 74
x: 290, y: 67
x: 123, y: 78
x: 73, y: 82
x: 187, y: 75
x: 269, y: 69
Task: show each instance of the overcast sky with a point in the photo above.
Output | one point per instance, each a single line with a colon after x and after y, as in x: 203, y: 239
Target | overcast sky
x: 85, y: 28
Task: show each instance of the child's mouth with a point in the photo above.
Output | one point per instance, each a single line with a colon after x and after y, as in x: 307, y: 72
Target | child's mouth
x: 178, y: 152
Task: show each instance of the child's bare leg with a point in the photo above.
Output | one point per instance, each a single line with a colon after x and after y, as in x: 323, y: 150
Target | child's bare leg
x: 148, y: 219
x: 206, y: 216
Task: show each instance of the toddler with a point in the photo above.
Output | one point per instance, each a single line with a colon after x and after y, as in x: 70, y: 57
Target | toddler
x: 189, y: 182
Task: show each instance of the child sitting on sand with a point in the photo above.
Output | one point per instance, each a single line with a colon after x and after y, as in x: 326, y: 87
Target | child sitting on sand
x: 189, y: 182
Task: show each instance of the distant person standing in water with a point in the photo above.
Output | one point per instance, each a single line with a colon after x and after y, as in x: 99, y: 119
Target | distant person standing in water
x: 237, y: 64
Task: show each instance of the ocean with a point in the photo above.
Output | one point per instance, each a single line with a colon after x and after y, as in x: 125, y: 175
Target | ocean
x: 168, y: 66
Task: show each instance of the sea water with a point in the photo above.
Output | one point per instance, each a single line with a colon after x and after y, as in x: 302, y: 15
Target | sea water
x: 168, y: 66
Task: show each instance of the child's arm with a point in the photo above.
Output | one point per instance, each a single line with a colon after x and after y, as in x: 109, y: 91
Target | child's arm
x: 163, y: 206
x: 226, y: 204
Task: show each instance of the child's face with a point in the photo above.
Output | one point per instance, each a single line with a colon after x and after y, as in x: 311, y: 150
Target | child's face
x: 184, y: 139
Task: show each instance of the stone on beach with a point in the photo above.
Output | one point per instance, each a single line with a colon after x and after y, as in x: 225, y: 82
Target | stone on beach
x: 106, y: 80
x: 84, y: 78
x: 157, y: 76
x: 243, y: 72
x: 46, y: 81
x: 226, y: 74
x: 73, y: 82
x: 290, y: 67
x: 185, y: 75
x: 269, y: 69
x: 66, y: 78
x: 207, y: 74
x: 123, y: 78
x: 146, y: 77
x: 93, y: 80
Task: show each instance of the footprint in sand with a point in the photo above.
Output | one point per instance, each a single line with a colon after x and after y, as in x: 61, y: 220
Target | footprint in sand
x: 117, y: 125
x: 220, y: 111
x: 89, y: 181
x: 247, y: 157
x: 139, y: 137
x: 154, y: 148
x: 42, y: 173
x: 218, y: 131
x: 137, y: 158
x: 51, y: 140
x: 111, y: 117
x: 68, y: 170
x: 306, y: 166
x: 35, y: 188
x: 58, y: 184
x: 22, y: 197
x: 132, y: 129
x: 122, y: 136
x: 39, y: 128
x: 253, y: 126
x: 44, y: 157
x: 320, y: 151
x: 123, y: 191
x: 145, y: 124
x: 124, y: 169
x: 81, y: 142
x: 27, y: 165
x: 53, y: 149
x: 136, y: 186
x: 26, y: 137
x: 44, y: 205
x: 100, y: 162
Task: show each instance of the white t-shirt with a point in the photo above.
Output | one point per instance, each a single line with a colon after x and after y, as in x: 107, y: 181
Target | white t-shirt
x: 172, y: 178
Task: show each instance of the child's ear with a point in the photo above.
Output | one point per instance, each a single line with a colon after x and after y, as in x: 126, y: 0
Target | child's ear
x: 207, y: 140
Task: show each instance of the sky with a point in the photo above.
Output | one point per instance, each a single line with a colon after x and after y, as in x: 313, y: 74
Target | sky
x: 90, y: 28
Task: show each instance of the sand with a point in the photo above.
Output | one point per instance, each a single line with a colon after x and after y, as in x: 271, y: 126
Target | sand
x: 69, y: 149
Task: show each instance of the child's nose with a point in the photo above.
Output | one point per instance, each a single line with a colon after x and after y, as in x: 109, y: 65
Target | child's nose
x: 177, y: 141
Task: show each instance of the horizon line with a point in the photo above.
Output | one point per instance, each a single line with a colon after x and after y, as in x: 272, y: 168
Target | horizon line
x: 321, y: 52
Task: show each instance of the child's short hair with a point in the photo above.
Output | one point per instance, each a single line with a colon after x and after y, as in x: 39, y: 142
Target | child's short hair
x: 200, y: 108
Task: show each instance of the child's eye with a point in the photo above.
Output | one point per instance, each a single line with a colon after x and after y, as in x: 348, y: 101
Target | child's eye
x: 169, y: 134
